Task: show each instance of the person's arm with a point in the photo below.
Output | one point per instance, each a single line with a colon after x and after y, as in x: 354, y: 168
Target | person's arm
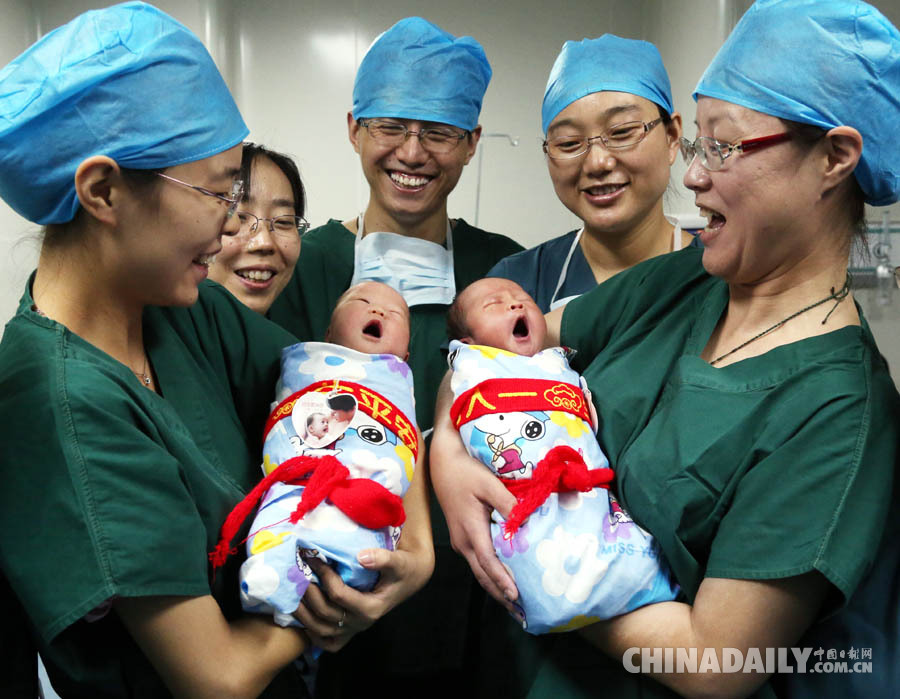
x: 468, y: 492
x: 197, y: 653
x: 734, y: 614
x: 401, y: 573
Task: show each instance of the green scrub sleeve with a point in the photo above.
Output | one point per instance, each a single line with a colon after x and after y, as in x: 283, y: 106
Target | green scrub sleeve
x: 590, y: 321
x: 243, y: 346
x: 818, y: 501
x: 80, y: 515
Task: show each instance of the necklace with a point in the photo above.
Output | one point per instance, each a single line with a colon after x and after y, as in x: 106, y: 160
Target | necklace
x: 837, y: 296
x: 142, y: 375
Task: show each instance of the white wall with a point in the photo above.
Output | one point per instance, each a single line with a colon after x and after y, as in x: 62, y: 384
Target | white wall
x: 295, y: 79
x: 291, y: 64
x: 18, y: 256
x: 22, y: 23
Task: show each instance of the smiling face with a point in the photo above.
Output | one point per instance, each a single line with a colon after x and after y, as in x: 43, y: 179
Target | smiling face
x: 613, y: 191
x: 169, y: 242
x: 408, y: 184
x: 757, y: 203
x: 498, y: 313
x: 257, y: 269
x: 373, y: 318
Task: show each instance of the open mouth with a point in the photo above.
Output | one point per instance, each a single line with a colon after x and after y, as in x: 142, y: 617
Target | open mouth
x: 255, y: 275
x: 373, y: 329
x: 406, y: 181
x: 205, y: 260
x: 520, y: 329
x: 511, y: 468
x: 714, y: 219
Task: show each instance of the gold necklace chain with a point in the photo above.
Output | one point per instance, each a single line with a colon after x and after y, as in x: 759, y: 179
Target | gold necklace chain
x: 838, y: 296
x: 142, y: 375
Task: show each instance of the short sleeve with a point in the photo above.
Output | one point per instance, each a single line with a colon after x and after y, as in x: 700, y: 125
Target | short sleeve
x: 819, y: 501
x: 98, y: 505
x: 623, y: 305
x: 242, y: 346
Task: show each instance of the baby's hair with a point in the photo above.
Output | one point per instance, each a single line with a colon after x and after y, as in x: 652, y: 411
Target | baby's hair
x: 337, y: 305
x: 457, y: 328
x: 311, y: 417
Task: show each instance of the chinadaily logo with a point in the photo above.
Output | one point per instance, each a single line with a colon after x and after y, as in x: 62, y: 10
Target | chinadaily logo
x: 761, y: 660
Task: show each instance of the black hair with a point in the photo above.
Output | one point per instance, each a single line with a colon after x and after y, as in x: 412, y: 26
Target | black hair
x: 854, y: 197
x: 284, y: 163
x: 456, y: 323
x: 664, y: 115
x: 143, y: 183
x: 342, y: 401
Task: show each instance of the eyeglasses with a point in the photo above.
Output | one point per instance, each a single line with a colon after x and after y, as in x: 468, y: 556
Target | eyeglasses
x: 713, y: 153
x: 237, y: 193
x: 285, y: 227
x: 434, y: 139
x: 628, y: 133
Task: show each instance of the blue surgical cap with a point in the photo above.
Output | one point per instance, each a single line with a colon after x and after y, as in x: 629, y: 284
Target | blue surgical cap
x: 128, y: 82
x: 823, y: 62
x: 607, y: 64
x: 416, y: 70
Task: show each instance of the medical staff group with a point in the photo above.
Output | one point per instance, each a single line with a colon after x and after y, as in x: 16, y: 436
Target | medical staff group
x: 749, y: 417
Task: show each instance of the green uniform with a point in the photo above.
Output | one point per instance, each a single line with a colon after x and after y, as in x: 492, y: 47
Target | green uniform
x: 431, y: 639
x: 772, y: 467
x: 110, y: 490
x: 325, y: 269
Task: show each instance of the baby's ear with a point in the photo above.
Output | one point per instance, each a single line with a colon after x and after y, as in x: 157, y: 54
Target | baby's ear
x: 467, y: 340
x: 406, y: 358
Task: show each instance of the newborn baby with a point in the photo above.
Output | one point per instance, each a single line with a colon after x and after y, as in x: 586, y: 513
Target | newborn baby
x: 340, y: 449
x: 575, y: 555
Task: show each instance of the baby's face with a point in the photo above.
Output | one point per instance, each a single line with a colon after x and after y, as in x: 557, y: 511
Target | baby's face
x: 373, y: 318
x: 499, y: 313
x: 318, y: 427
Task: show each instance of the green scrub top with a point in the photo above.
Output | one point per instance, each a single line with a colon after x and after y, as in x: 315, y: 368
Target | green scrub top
x: 768, y: 468
x: 324, y: 271
x: 110, y: 490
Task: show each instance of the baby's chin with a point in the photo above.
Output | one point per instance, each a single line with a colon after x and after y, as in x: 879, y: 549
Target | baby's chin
x: 525, y: 347
x: 366, y: 347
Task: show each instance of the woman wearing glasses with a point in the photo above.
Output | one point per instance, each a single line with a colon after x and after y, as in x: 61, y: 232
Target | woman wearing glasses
x: 750, y: 419
x: 611, y: 136
x: 133, y: 392
x: 256, y: 264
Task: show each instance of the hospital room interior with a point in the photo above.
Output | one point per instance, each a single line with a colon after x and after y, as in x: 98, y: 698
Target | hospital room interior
x: 290, y: 65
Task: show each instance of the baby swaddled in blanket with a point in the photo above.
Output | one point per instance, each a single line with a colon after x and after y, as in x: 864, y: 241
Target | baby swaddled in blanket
x: 575, y: 555
x: 340, y: 450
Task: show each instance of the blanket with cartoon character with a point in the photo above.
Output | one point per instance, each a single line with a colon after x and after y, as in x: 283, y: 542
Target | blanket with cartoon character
x: 339, y: 452
x: 575, y: 555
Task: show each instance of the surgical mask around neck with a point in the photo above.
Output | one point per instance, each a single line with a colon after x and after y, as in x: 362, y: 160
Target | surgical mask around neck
x: 420, y: 270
